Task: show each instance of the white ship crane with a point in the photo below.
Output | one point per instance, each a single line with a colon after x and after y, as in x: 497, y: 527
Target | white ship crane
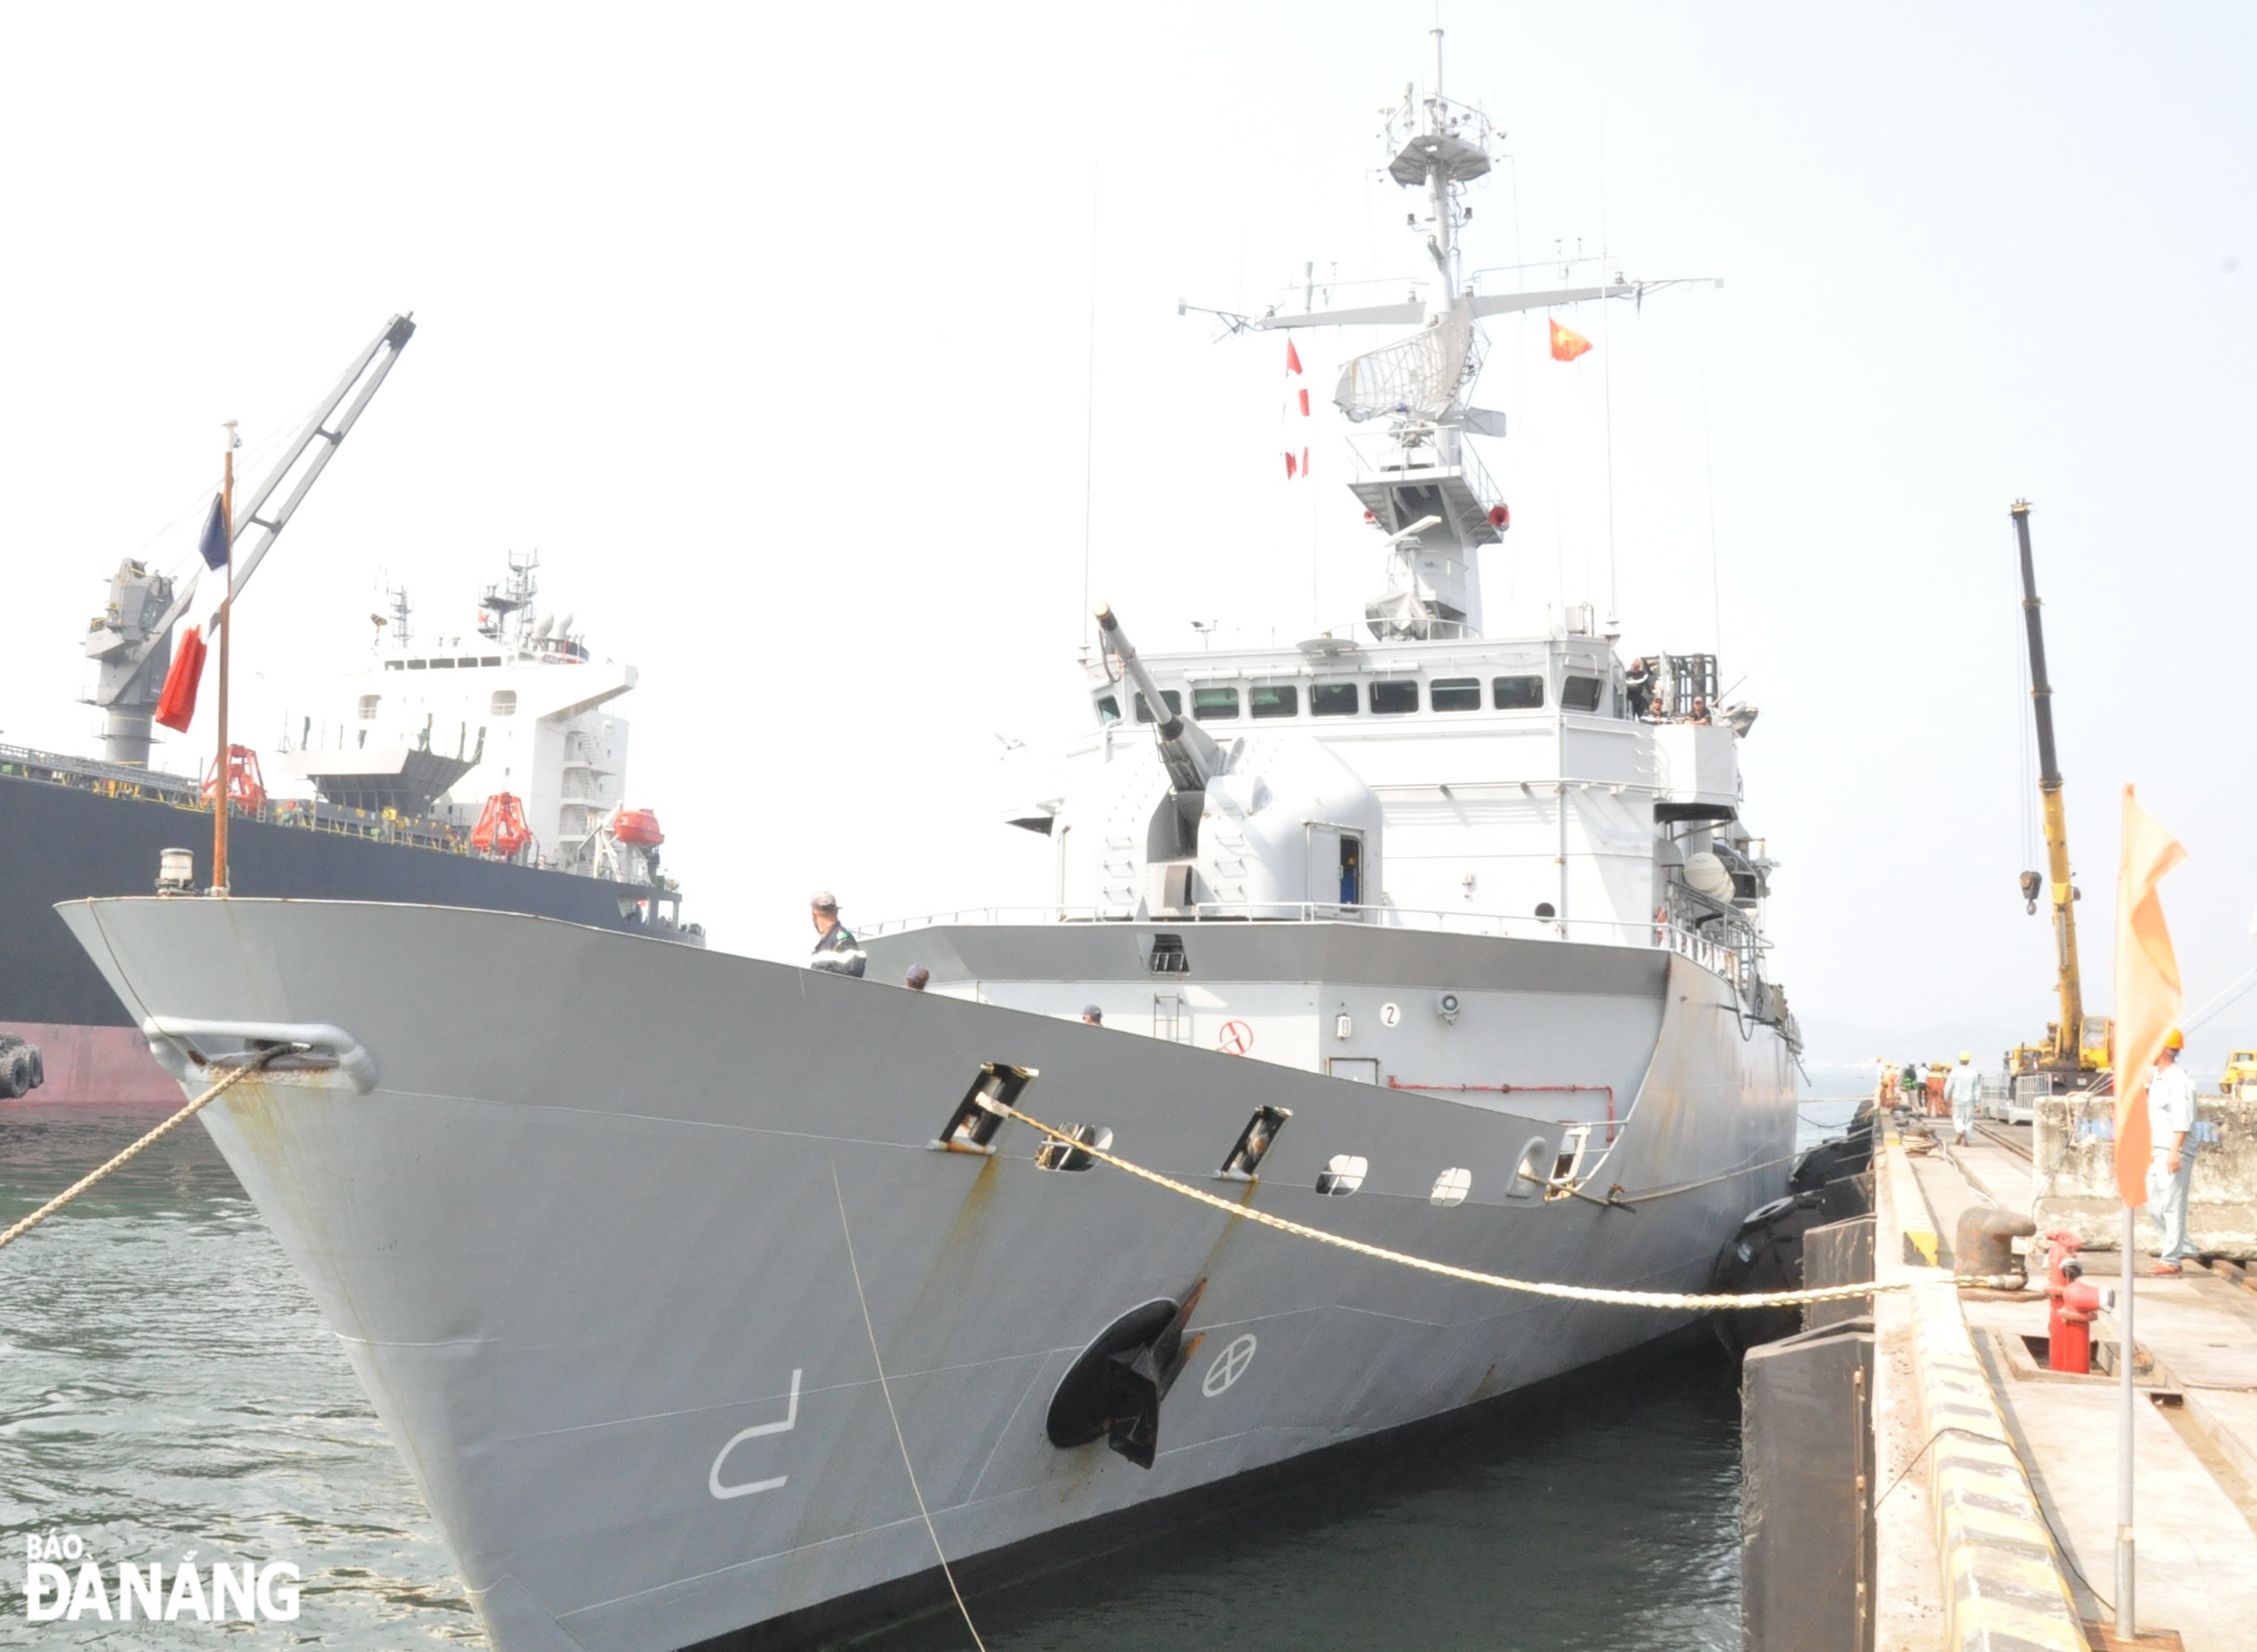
x: 131, y: 638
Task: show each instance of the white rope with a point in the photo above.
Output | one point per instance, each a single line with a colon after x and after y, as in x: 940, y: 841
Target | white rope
x: 887, y: 1388
x: 181, y: 1117
x: 1533, y: 1287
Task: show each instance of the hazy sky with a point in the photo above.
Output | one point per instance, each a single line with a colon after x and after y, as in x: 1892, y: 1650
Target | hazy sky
x: 768, y: 328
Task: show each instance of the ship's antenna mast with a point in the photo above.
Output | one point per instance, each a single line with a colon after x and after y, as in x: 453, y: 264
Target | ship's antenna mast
x: 1444, y: 242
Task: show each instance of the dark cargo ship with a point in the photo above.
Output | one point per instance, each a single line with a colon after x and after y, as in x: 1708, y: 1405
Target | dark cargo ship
x: 71, y: 828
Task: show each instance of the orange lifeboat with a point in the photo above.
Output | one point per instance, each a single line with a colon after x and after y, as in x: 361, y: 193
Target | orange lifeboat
x: 638, y: 826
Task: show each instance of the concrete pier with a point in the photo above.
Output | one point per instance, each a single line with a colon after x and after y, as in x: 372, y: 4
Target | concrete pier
x: 1994, y: 1482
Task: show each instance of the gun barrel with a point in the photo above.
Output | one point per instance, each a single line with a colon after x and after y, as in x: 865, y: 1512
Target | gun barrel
x: 1190, y: 756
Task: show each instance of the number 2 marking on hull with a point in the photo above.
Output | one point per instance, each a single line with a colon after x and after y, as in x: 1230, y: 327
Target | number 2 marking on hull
x: 750, y: 1487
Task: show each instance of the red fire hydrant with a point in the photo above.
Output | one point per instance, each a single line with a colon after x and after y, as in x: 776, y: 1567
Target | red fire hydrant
x: 2075, y: 1305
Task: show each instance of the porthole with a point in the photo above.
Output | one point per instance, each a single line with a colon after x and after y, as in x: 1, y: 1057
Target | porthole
x: 1451, y: 1188
x: 1343, y: 1174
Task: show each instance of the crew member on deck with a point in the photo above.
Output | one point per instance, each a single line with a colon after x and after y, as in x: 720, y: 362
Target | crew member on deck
x: 1091, y: 1016
x: 2170, y: 1166
x: 836, y: 949
x: 1637, y: 682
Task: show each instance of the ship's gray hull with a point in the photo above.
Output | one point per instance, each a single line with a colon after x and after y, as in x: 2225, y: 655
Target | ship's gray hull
x: 585, y: 1238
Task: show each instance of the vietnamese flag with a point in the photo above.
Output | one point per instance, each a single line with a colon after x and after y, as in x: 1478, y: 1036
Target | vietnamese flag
x: 2149, y: 997
x: 1566, y: 342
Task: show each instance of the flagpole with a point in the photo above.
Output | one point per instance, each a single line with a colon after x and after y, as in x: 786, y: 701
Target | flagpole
x: 226, y: 638
x: 2124, y: 1414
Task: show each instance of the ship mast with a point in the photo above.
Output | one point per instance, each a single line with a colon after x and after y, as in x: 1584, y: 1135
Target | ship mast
x: 1423, y: 465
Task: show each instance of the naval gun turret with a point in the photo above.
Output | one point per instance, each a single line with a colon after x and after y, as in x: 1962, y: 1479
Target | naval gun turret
x: 1271, y: 825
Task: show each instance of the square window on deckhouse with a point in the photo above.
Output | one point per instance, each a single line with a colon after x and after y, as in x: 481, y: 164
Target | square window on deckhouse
x: 1579, y: 694
x: 1517, y: 693
x: 1213, y: 705
x: 1454, y: 694
x: 1274, y: 700
x: 1334, y: 699
x: 1175, y: 705
x: 1393, y: 699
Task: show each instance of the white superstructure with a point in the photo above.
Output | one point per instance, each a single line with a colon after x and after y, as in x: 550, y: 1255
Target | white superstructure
x: 519, y: 706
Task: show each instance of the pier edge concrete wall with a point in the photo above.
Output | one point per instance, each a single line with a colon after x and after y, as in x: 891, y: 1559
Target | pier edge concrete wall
x: 2073, y: 1146
x: 1993, y: 1579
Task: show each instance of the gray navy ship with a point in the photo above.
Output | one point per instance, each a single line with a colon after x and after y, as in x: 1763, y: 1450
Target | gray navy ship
x: 1444, y: 943
x: 484, y: 770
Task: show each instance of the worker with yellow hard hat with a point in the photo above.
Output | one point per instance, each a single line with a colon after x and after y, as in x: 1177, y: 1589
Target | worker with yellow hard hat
x: 2170, y: 1164
x: 1960, y: 1090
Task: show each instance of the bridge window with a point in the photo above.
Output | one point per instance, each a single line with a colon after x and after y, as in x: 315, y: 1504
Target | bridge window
x: 1334, y: 699
x: 1175, y: 705
x: 1108, y: 710
x: 1454, y: 694
x: 1274, y: 700
x: 1579, y: 694
x: 1393, y: 699
x: 417, y: 665
x: 1517, y: 693
x: 438, y: 664
x: 1214, y: 705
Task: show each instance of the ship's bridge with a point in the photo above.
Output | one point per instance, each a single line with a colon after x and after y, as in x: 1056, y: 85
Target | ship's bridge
x: 1539, y: 786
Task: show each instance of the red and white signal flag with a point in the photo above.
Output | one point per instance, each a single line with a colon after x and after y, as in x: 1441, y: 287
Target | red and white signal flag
x: 1297, y: 406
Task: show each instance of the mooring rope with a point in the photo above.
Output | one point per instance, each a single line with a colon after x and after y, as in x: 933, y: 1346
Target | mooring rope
x: 181, y: 1117
x: 1529, y: 1287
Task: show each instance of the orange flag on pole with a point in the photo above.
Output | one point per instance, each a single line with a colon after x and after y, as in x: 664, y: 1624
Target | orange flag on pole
x: 1566, y: 342
x: 2149, y: 997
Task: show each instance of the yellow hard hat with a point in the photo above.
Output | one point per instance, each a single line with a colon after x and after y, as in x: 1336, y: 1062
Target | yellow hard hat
x: 2174, y: 1040
x: 1965, y: 1058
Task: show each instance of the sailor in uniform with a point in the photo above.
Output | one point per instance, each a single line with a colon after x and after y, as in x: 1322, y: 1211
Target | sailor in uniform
x: 836, y: 949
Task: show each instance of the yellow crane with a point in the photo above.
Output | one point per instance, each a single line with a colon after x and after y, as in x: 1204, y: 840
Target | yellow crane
x: 2076, y: 1048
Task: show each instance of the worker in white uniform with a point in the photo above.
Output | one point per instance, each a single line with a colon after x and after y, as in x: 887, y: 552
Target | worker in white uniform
x: 2171, y: 1168
x: 1960, y: 1091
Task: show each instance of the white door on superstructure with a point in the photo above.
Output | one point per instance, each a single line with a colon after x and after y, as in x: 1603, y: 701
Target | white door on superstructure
x: 1324, y: 891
